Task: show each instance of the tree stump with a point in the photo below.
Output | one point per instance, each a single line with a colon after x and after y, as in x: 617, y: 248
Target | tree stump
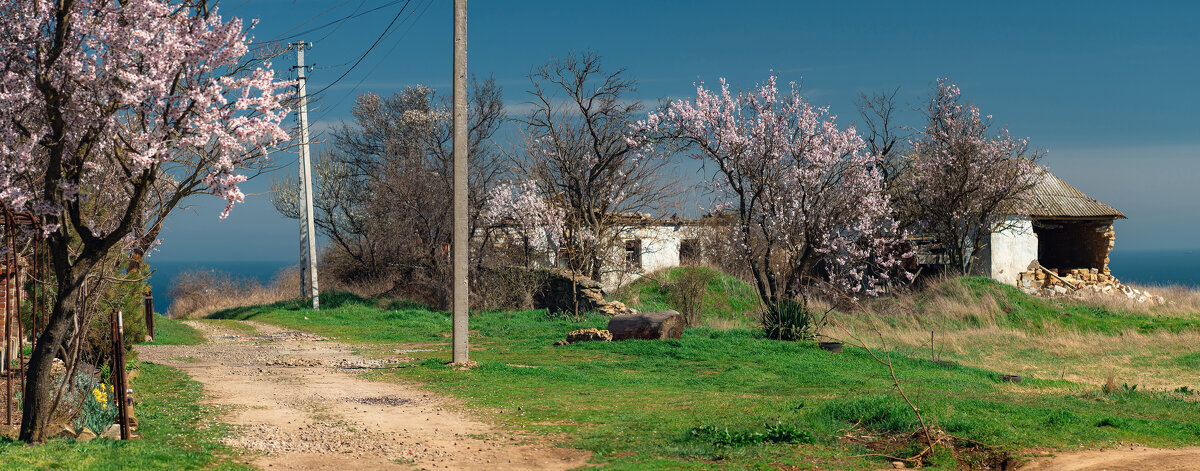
x: 649, y: 326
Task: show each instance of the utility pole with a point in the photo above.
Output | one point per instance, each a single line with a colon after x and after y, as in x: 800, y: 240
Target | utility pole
x: 461, y: 250
x: 308, y: 237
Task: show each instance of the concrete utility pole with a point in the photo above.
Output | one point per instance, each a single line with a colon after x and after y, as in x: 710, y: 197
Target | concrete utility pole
x: 460, y: 183
x: 307, y: 235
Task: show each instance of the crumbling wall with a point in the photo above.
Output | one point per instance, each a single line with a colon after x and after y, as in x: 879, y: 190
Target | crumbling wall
x: 1073, y: 259
x: 1073, y: 245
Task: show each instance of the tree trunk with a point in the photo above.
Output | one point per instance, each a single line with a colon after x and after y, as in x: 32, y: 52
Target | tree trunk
x: 35, y: 410
x: 650, y: 326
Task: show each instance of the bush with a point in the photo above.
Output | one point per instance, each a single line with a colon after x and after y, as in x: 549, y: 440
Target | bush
x: 198, y: 293
x: 99, y: 409
x: 789, y: 320
x: 687, y: 292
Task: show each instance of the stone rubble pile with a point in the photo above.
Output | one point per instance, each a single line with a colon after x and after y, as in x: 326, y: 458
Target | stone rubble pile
x: 1076, y: 282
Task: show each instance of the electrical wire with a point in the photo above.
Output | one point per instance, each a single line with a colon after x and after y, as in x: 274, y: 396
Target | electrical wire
x: 310, y: 20
x: 334, y: 22
x: 341, y: 100
x: 369, y: 49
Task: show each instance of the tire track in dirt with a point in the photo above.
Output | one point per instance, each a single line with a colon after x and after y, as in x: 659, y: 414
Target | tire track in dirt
x: 298, y: 403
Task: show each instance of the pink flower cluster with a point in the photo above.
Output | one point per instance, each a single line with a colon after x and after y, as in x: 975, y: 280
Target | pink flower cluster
x: 799, y: 186
x: 523, y: 208
x: 128, y: 87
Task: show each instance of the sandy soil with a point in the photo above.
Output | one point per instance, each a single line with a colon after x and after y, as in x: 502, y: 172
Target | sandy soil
x: 1128, y: 458
x: 299, y: 402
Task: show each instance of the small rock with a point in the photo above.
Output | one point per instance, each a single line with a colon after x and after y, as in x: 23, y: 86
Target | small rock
x: 113, y: 432
x: 898, y: 464
x: 60, y: 431
x: 85, y: 435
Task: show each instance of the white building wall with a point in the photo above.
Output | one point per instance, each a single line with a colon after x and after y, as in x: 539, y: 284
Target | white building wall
x: 660, y: 250
x: 1010, y: 251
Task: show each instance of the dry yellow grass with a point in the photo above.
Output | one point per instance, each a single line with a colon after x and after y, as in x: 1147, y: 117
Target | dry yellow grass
x: 973, y: 330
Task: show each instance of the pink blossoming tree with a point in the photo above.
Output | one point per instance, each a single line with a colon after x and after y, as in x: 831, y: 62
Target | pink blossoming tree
x: 962, y: 179
x: 536, y: 222
x: 112, y: 113
x: 804, y: 196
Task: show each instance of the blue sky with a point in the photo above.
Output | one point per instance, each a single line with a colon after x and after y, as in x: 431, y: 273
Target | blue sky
x: 1110, y: 89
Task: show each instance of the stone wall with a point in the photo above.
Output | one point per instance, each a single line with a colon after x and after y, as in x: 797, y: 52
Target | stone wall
x: 564, y: 288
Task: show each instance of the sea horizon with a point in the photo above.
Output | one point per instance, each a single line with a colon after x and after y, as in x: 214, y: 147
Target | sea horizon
x: 1147, y: 267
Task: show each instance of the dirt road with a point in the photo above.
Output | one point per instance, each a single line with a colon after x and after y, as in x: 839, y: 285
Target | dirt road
x: 1128, y: 458
x: 298, y: 400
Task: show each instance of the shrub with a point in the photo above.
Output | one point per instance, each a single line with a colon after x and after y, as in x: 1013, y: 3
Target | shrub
x: 687, y: 293
x: 198, y: 293
x: 99, y: 409
x: 789, y: 320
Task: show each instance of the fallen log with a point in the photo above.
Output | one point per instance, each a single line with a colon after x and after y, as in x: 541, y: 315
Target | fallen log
x: 648, y: 325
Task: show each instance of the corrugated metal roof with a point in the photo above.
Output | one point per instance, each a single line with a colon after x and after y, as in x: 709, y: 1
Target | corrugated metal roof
x: 1052, y: 197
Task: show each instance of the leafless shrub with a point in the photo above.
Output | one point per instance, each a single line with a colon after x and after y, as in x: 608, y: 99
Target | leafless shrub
x: 384, y: 190
x: 687, y: 292
x: 198, y: 293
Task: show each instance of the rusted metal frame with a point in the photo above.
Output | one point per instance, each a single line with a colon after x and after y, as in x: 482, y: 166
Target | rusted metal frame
x: 149, y: 303
x: 120, y: 383
x: 9, y: 267
x: 17, y: 307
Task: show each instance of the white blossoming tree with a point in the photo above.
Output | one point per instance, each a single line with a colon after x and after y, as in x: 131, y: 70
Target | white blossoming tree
x: 806, y: 201
x: 112, y: 113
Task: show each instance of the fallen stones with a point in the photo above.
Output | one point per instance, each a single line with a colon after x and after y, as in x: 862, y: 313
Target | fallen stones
x: 60, y: 431
x: 590, y: 334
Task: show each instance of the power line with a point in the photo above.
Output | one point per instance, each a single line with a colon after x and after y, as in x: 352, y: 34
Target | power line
x: 369, y: 49
x: 334, y: 22
x: 318, y: 15
x: 376, y: 67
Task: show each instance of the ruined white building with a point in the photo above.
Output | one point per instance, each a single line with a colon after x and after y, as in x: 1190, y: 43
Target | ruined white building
x: 1060, y: 236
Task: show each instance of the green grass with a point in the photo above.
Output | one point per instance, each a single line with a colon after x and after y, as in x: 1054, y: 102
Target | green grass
x: 178, y: 433
x: 635, y: 404
x: 727, y: 298
x: 169, y: 331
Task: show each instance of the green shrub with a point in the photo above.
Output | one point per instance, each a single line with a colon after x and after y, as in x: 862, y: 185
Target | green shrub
x: 99, y: 408
x: 789, y: 320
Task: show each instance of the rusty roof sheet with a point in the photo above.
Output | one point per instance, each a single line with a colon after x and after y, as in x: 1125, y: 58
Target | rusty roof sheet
x: 1052, y: 197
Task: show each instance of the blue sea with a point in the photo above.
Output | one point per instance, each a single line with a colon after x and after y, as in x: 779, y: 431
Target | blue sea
x: 165, y: 272
x: 1156, y: 267
x: 1145, y: 267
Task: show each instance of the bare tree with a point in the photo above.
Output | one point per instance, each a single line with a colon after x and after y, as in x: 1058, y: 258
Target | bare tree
x: 884, y: 138
x: 579, y: 149
x: 383, y: 187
